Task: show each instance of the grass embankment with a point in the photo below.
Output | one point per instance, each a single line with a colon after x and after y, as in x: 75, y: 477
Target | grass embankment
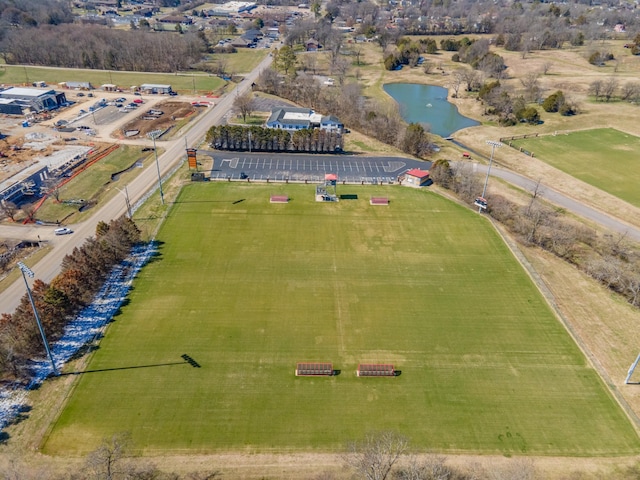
x: 248, y: 289
x: 604, y: 158
x: 94, y: 185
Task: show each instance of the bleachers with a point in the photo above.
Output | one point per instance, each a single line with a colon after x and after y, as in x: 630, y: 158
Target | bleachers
x: 375, y: 370
x: 314, y: 369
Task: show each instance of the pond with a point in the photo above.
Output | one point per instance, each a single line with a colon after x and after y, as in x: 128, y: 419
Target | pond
x: 428, y: 104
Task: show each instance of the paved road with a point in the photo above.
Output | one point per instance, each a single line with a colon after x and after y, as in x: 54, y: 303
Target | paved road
x: 257, y: 166
x: 280, y: 167
x: 49, y: 266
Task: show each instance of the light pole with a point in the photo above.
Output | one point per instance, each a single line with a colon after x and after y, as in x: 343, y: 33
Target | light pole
x: 126, y: 199
x: 27, y: 271
x: 155, y: 152
x: 494, y: 145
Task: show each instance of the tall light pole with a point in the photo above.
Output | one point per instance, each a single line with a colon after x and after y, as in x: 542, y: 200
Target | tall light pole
x: 494, y: 145
x: 27, y: 271
x: 155, y: 152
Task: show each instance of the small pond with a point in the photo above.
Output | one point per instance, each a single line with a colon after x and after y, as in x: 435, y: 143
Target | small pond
x: 428, y: 104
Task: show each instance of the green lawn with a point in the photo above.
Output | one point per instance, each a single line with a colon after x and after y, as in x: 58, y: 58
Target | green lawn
x: 248, y: 288
x: 180, y: 82
x: 94, y: 183
x: 603, y: 157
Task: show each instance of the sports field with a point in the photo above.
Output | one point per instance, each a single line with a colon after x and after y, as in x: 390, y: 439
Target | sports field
x: 248, y: 288
x: 604, y: 157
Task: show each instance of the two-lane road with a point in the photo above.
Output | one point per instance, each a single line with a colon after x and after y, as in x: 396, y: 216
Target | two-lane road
x: 49, y: 266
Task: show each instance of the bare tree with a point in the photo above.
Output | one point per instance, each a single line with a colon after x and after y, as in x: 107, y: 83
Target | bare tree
x: 517, y: 469
x: 609, y: 88
x: 630, y: 92
x: 340, y: 67
x: 375, y: 456
x: 9, y: 209
x: 546, y: 67
x: 432, y: 467
x: 531, y: 85
x: 456, y: 82
x: 245, y: 104
x: 595, y: 88
x: 427, y: 67
x: 107, y: 461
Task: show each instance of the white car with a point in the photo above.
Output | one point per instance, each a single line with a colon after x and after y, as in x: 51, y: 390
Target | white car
x: 63, y: 231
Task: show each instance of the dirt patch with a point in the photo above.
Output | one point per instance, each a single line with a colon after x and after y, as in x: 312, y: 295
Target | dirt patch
x: 150, y: 119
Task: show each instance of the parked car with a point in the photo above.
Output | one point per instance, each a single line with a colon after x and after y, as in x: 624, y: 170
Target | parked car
x: 63, y: 231
x: 80, y: 94
x: 138, y: 93
x: 121, y: 100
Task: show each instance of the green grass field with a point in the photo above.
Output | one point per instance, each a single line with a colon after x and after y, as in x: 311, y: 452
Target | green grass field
x: 605, y: 158
x: 182, y: 83
x: 247, y: 289
x: 92, y: 185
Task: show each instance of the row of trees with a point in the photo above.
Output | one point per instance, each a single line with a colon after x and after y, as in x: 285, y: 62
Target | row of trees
x: 378, y: 456
x: 609, y: 259
x: 261, y: 139
x: 83, y: 273
x: 366, y: 115
x: 86, y: 46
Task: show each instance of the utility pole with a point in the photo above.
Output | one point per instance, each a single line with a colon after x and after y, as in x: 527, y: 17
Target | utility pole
x: 26, y: 271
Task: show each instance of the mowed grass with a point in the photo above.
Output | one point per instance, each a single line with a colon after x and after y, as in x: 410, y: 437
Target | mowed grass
x: 604, y: 157
x: 182, y: 83
x: 248, y: 288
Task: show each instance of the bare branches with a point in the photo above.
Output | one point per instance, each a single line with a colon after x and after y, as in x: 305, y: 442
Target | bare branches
x: 374, y: 457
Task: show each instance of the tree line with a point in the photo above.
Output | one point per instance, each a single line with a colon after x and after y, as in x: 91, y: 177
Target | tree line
x: 379, y: 455
x: 610, y: 259
x: 261, y: 139
x: 83, y: 273
x: 95, y: 47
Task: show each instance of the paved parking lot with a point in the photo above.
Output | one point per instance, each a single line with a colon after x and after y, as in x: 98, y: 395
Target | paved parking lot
x: 280, y: 167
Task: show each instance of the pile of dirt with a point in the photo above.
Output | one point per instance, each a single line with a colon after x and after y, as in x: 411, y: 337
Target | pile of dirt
x: 160, y: 117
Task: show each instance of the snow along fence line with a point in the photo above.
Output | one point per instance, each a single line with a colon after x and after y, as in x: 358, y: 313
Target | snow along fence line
x: 83, y: 330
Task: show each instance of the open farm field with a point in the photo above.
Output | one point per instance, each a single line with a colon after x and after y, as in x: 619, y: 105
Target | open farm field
x: 182, y: 83
x: 247, y: 289
x: 605, y: 158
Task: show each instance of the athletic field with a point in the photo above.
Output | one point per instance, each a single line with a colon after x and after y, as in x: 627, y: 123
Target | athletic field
x: 247, y: 289
x: 605, y: 158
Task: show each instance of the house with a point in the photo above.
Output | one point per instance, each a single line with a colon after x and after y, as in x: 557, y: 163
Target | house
x: 289, y: 118
x: 18, y: 100
x: 253, y: 35
x: 241, y: 42
x: 331, y: 123
x: 312, y: 45
x: 417, y: 178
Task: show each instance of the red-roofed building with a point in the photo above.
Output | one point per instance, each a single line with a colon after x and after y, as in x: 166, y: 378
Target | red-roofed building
x: 417, y: 177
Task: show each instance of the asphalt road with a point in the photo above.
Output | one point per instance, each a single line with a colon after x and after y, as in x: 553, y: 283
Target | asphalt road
x: 256, y: 166
x: 49, y: 266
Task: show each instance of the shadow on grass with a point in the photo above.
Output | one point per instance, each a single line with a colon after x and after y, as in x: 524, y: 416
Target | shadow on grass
x: 133, y: 367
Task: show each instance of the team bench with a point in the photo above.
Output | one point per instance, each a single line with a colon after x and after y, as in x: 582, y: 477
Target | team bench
x: 314, y: 369
x: 375, y: 370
